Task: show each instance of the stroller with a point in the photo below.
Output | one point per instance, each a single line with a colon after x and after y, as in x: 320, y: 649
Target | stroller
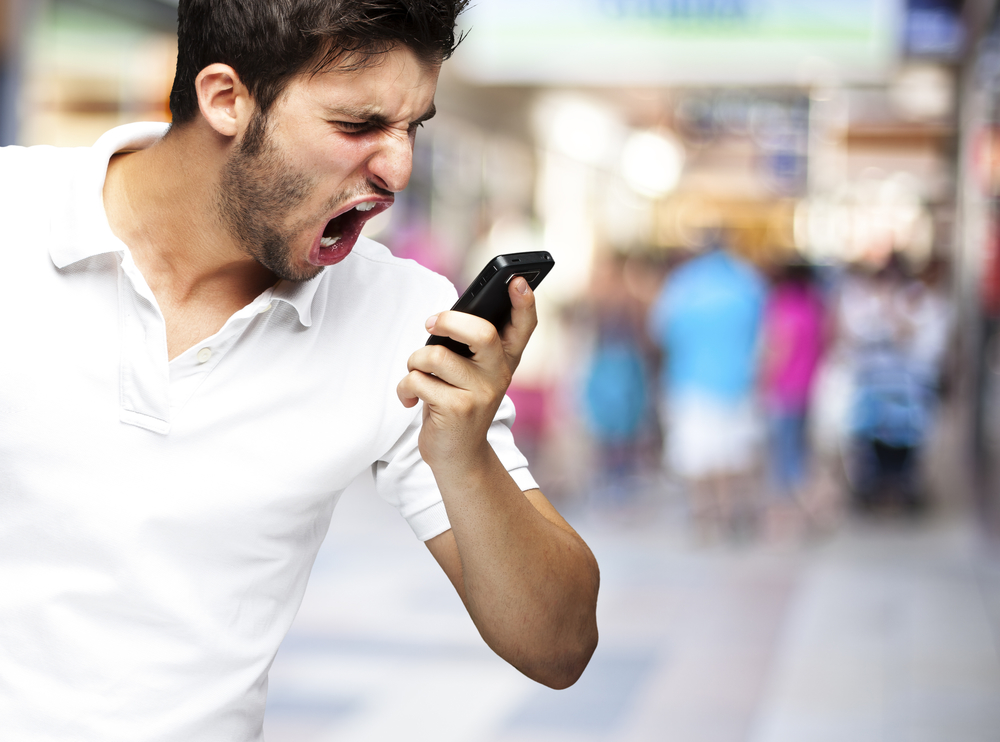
x: 888, y: 425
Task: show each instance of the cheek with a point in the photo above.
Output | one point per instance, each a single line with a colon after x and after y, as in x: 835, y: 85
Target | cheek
x: 346, y: 154
x: 331, y: 163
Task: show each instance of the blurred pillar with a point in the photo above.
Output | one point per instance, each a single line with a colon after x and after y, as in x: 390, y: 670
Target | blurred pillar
x: 10, y: 67
x: 15, y: 21
x: 977, y: 239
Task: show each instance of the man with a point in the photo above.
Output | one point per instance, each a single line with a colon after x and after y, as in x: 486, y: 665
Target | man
x: 211, y: 353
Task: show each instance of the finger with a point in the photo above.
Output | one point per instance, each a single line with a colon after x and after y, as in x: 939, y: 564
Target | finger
x: 406, y: 390
x: 479, y: 334
x: 523, y: 317
x: 436, y: 394
x: 413, y: 387
x: 439, y: 362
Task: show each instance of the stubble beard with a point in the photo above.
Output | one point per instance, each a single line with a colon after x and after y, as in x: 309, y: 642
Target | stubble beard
x: 257, y: 191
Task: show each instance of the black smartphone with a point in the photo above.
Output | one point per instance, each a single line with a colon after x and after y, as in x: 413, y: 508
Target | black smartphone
x: 487, y: 296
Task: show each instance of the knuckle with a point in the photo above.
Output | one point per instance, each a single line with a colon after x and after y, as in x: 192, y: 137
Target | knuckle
x: 468, y: 409
x: 438, y: 354
x: 496, y: 398
x: 413, y: 360
x: 487, y: 337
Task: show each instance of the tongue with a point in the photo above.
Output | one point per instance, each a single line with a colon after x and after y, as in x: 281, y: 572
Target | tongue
x: 344, y: 229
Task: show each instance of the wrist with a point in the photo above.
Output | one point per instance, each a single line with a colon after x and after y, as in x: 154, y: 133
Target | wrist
x: 471, y: 470
x: 479, y: 475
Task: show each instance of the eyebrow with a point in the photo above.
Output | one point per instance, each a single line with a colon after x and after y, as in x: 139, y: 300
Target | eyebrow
x: 371, y: 116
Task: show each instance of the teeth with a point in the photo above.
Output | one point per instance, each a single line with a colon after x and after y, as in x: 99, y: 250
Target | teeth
x: 365, y: 206
x: 329, y: 241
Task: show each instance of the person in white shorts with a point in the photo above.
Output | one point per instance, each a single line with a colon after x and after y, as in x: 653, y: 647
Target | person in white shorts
x: 707, y: 322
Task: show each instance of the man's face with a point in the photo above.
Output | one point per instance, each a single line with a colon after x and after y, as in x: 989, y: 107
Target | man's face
x: 335, y: 148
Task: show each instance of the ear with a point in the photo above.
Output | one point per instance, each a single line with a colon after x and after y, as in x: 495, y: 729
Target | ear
x: 223, y: 99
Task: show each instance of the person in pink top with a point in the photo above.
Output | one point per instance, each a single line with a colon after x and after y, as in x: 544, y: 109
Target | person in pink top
x: 793, y: 343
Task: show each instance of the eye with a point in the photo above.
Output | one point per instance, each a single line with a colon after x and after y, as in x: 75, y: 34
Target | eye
x: 354, y: 127
x: 411, y: 131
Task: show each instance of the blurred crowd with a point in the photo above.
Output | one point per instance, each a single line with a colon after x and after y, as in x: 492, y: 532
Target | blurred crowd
x: 772, y: 397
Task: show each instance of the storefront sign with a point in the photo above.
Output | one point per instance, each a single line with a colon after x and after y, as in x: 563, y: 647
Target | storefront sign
x: 680, y: 42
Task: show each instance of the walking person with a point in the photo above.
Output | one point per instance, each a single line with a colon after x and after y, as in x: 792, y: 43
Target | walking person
x: 707, y: 323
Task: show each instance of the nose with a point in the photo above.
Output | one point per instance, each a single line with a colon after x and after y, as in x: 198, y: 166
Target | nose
x: 391, y: 163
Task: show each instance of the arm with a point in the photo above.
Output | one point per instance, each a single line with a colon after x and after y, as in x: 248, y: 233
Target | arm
x: 527, y: 579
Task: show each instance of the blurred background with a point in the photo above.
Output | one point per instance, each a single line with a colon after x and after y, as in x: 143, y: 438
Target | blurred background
x: 765, y: 386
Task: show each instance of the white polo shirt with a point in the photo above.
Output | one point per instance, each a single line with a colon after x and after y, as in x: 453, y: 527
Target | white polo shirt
x: 158, y: 520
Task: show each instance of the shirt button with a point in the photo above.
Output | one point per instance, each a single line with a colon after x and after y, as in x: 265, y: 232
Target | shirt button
x: 204, y: 354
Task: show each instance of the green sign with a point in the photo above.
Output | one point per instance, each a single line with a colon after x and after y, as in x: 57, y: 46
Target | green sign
x: 756, y: 42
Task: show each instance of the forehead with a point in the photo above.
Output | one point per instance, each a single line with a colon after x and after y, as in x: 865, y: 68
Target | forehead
x: 396, y: 81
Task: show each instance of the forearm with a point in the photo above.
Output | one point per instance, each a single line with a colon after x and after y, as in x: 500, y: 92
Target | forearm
x: 528, y: 580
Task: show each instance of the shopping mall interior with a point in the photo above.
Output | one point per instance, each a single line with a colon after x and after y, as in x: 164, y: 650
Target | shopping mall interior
x: 841, y: 584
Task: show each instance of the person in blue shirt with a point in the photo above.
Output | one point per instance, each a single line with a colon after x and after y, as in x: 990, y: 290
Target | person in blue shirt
x: 706, y: 321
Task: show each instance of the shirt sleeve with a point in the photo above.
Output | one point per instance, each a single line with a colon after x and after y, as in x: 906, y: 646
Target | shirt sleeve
x: 406, y: 482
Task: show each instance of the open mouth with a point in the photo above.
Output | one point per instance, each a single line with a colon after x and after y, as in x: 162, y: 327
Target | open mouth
x: 341, y: 232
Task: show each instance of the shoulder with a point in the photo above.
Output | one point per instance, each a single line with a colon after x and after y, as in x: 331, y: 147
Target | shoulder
x: 23, y: 161
x: 748, y: 275
x: 40, y: 188
x: 396, y: 279
x: 684, y: 274
x: 18, y: 160
x: 379, y: 296
x: 378, y: 257
x: 64, y: 172
x: 28, y: 169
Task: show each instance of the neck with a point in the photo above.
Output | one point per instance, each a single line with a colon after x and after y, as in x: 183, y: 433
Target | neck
x: 161, y: 202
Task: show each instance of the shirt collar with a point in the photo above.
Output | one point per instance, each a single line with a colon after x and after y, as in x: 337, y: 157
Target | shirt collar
x: 85, y: 231
x: 300, y: 295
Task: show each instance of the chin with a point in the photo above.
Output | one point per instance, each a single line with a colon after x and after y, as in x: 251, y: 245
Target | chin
x: 308, y: 273
x: 277, y: 259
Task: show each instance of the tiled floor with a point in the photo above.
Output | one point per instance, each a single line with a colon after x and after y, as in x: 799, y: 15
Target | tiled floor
x: 886, y: 631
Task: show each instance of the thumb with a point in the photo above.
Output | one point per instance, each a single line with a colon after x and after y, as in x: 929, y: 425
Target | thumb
x: 523, y: 317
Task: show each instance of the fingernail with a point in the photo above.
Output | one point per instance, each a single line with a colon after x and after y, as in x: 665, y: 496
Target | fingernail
x: 431, y: 321
x: 522, y: 286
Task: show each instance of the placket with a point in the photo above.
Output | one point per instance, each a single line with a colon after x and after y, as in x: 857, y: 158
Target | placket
x: 189, y: 369
x: 143, y: 377
x: 152, y: 388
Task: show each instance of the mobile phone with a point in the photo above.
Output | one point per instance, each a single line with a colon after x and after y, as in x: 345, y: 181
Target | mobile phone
x: 487, y: 296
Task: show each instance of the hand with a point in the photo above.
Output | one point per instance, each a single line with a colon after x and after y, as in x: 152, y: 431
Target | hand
x: 461, y: 395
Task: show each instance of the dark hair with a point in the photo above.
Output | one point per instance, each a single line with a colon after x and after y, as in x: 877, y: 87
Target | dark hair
x: 268, y: 42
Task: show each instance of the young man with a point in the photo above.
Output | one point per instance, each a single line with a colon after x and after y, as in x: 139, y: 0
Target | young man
x: 211, y: 354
